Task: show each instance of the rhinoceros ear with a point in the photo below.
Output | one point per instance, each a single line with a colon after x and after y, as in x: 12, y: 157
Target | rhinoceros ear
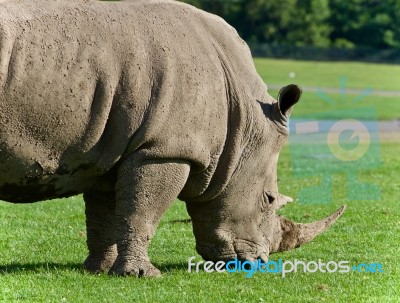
x: 288, y: 96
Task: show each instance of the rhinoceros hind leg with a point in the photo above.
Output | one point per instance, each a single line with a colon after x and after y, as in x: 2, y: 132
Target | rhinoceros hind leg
x: 144, y: 191
x: 100, y: 225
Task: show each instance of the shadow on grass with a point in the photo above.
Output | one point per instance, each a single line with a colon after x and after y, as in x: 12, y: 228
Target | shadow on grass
x: 77, y: 267
x: 168, y: 267
x: 40, y: 267
x: 180, y: 221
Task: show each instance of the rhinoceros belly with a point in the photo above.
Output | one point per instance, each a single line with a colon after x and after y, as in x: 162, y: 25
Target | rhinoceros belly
x: 50, y: 187
x: 27, y: 182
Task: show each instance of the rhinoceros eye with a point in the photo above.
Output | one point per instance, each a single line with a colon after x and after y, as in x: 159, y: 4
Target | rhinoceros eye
x: 268, y: 198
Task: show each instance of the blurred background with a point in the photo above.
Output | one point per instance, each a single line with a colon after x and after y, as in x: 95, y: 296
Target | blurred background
x: 367, y: 30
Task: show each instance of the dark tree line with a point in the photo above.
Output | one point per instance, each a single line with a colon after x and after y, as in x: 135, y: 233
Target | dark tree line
x: 319, y: 23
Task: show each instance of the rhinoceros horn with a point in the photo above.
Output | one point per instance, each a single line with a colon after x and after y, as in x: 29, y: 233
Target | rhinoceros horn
x: 296, y: 234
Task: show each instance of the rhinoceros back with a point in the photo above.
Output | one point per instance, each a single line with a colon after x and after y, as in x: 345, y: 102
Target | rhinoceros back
x: 83, y: 84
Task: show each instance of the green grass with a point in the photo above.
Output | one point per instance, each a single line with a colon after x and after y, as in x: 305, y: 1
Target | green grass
x: 328, y: 75
x: 313, y: 106
x: 43, y: 246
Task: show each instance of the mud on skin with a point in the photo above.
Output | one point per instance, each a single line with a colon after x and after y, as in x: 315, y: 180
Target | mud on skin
x: 134, y: 104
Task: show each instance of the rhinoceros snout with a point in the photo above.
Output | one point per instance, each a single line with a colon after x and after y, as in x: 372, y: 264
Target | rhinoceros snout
x: 252, y: 240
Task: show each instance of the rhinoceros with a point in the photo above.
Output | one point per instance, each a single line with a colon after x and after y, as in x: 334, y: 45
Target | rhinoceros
x: 135, y: 104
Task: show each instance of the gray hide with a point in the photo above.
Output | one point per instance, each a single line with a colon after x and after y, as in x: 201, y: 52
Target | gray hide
x: 134, y: 104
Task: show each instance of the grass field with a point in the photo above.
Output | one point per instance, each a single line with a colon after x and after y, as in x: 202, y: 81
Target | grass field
x: 43, y: 244
x: 312, y: 105
x: 329, y: 75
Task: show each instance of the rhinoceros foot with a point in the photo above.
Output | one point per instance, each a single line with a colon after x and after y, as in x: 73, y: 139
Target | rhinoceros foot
x: 138, y: 268
x: 98, y: 265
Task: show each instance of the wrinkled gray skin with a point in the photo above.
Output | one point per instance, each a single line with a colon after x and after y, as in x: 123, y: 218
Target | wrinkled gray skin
x: 135, y: 104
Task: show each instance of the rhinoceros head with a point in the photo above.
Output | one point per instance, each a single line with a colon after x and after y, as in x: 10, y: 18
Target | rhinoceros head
x: 242, y: 222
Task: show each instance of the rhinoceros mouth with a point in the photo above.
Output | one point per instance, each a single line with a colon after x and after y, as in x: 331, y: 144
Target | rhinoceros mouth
x: 239, y: 249
x: 210, y: 252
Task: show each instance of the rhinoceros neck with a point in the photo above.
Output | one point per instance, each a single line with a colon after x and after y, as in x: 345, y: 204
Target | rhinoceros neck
x: 242, y: 125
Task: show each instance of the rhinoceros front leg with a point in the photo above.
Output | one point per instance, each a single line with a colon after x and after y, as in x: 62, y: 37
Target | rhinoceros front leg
x: 144, y: 191
x: 100, y: 225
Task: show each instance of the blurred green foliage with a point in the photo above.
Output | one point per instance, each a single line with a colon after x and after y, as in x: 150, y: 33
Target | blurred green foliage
x: 319, y: 23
